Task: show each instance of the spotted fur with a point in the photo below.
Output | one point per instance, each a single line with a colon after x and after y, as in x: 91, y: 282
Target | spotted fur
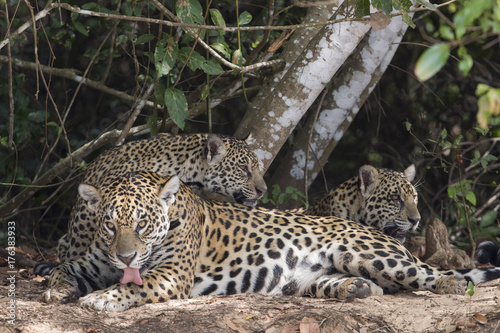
x: 185, y: 246
x: 215, y: 163
x: 380, y: 198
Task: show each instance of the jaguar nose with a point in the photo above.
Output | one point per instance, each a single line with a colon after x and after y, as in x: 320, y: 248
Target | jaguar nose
x: 261, y: 190
x: 126, y: 259
x: 414, y: 220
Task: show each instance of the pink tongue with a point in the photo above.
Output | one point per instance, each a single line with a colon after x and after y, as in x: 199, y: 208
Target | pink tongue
x: 131, y: 275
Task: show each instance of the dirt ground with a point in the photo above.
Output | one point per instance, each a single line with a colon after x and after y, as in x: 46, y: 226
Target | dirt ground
x: 403, y: 312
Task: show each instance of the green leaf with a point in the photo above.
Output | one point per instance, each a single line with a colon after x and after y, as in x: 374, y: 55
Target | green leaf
x: 383, y: 5
x: 408, y: 126
x: 446, y: 32
x: 37, y: 116
x: 54, y: 124
x: 237, y: 58
x: 223, y: 49
x: 404, y: 7
x: 177, y: 106
x: 472, y: 10
x: 488, y: 219
x: 165, y: 55
x: 427, y: 4
x: 211, y: 67
x: 362, y: 8
x: 431, y: 61
x: 218, y: 20
x: 276, y: 190
x: 90, y: 6
x: 152, y: 124
x: 127, y: 8
x: 244, y: 18
x: 488, y: 103
x: 444, y: 134
x: 452, y: 192
x: 407, y: 19
x: 189, y: 11
x: 470, y: 289
x: 205, y: 91
x: 471, y: 197
x: 490, y: 158
x: 142, y: 39
x: 159, y: 93
x: 80, y: 28
x: 194, y: 59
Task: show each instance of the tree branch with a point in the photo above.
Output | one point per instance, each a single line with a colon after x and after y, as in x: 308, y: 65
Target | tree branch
x: 71, y: 75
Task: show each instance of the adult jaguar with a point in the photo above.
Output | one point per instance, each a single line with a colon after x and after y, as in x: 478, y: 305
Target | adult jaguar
x: 215, y: 163
x: 157, y: 240
x: 381, y: 198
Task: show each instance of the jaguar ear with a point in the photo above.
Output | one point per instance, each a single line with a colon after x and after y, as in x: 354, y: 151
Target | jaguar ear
x: 367, y: 179
x: 411, y: 172
x: 167, y: 193
x: 91, y: 195
x: 216, y: 149
x: 248, y: 139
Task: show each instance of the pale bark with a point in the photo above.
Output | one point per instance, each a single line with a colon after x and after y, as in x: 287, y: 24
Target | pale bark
x: 273, y: 118
x: 350, y: 89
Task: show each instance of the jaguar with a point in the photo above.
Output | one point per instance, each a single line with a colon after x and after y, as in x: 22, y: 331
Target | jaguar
x: 381, y: 198
x: 211, y: 162
x: 157, y: 240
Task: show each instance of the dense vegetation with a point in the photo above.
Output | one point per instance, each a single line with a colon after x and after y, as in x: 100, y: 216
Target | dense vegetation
x: 433, y: 124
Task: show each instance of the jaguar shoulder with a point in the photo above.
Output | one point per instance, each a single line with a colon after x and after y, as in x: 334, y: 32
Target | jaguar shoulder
x: 157, y: 240
x: 211, y: 162
x: 381, y: 198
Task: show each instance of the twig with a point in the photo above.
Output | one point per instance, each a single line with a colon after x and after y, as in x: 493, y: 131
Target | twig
x: 135, y: 113
x: 11, y: 94
x: 320, y: 105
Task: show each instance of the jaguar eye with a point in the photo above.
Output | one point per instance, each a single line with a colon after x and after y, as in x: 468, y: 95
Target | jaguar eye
x: 396, y: 197
x: 110, y: 226
x: 141, y: 225
x: 244, y: 167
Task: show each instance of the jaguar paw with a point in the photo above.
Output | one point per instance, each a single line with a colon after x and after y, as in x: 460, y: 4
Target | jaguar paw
x: 356, y: 287
x: 451, y: 285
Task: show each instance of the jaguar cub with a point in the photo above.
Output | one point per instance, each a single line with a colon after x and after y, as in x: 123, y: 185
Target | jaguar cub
x: 157, y: 240
x: 380, y: 198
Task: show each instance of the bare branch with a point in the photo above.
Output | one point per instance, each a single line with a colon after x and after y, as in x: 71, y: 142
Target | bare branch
x: 11, y: 94
x: 135, y: 113
x: 71, y: 75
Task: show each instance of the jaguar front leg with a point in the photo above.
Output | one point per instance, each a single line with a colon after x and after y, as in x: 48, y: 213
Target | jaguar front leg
x: 159, y: 285
x: 77, y: 278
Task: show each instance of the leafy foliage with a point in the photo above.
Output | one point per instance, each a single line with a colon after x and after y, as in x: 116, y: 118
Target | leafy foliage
x: 122, y: 56
x: 277, y: 196
x: 473, y: 21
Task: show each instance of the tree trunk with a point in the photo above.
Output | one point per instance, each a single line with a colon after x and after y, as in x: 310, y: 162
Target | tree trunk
x: 273, y: 116
x: 351, y: 87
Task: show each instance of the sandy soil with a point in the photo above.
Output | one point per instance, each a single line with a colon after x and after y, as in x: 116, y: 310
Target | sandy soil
x: 403, y: 312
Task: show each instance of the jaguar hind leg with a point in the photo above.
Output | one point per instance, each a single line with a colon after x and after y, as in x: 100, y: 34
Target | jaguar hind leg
x: 451, y: 284
x: 344, y: 288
